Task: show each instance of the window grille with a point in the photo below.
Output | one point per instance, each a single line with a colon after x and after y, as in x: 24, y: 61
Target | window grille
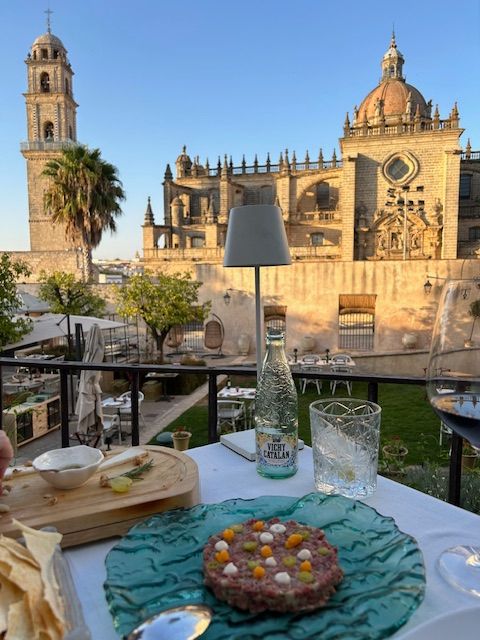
x: 275, y: 317
x: 193, y: 336
x: 356, y: 322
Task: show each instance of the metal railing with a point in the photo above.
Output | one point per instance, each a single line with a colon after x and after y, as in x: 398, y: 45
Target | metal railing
x: 134, y: 371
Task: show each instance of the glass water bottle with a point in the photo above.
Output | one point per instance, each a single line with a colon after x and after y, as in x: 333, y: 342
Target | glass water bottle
x: 276, y: 413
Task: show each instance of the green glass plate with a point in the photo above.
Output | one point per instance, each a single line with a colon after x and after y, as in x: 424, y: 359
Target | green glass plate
x: 158, y: 565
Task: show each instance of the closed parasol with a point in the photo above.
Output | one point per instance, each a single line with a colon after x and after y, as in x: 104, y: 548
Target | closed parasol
x: 89, y: 402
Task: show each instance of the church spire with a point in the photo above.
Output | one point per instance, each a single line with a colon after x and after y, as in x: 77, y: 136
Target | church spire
x: 148, y: 220
x: 392, y: 61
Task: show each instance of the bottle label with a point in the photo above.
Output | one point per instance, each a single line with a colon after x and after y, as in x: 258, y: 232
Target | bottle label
x: 278, y: 451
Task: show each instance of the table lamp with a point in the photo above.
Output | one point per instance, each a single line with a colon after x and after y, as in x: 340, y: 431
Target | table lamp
x: 256, y: 238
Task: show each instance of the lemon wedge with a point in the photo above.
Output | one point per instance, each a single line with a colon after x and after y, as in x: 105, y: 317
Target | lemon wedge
x: 121, y: 484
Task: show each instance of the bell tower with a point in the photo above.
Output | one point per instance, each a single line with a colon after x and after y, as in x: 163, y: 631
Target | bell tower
x: 51, y: 126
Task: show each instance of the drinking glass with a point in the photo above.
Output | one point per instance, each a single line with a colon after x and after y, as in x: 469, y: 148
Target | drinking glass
x: 345, y: 435
x: 453, y: 387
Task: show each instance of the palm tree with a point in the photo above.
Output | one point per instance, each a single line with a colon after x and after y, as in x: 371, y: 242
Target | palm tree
x: 84, y: 195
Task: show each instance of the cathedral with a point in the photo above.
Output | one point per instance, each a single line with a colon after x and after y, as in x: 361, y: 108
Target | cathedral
x: 402, y: 189
x: 399, y: 208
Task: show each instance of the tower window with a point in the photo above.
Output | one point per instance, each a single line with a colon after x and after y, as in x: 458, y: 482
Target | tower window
x: 44, y: 54
x: 465, y: 186
x: 67, y: 86
x: 55, y: 53
x: 70, y: 132
x: 45, y: 82
x: 48, y: 131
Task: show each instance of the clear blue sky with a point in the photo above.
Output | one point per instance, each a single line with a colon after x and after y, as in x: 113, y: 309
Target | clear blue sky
x: 222, y: 76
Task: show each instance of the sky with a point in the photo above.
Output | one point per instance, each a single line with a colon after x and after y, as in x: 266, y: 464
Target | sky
x: 222, y: 77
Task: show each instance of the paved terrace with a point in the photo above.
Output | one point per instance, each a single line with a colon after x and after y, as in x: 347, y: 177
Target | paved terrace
x: 157, y: 415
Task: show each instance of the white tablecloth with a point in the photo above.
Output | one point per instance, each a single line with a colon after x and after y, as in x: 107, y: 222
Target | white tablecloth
x: 225, y: 474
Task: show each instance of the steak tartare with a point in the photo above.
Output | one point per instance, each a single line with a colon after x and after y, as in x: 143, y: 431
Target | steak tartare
x: 271, y: 566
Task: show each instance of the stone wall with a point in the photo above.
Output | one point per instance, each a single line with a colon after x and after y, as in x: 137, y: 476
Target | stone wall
x: 49, y: 261
x: 310, y: 292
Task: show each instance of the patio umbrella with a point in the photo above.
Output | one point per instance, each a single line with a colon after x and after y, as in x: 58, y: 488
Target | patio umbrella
x: 89, y: 402
x: 54, y: 325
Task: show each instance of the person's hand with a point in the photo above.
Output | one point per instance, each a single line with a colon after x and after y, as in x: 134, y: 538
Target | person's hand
x: 6, y: 454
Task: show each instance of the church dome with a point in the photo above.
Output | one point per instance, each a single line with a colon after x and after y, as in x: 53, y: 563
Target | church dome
x: 48, y: 39
x: 393, y: 95
x: 393, y: 100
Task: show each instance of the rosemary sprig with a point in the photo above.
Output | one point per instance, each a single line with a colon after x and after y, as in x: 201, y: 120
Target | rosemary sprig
x: 137, y: 472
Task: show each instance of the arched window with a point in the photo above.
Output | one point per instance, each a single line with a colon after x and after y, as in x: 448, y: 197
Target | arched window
x: 70, y: 132
x: 44, y: 54
x: 392, y: 71
x: 45, y: 82
x: 48, y: 131
x: 67, y: 86
x: 317, y: 239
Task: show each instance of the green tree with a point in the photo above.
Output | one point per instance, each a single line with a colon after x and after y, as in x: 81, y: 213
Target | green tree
x: 67, y: 295
x: 11, y: 328
x: 84, y: 195
x: 162, y: 301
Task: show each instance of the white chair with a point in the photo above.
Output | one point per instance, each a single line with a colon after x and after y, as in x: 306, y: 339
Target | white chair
x: 111, y: 427
x: 333, y: 383
x: 342, y: 358
x: 444, y: 431
x: 310, y: 360
x: 126, y: 412
x: 230, y: 413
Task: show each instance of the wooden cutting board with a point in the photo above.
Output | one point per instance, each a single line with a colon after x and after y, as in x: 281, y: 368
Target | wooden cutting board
x: 92, y: 512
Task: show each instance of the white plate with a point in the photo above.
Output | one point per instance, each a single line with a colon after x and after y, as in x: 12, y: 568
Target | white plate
x: 463, y: 625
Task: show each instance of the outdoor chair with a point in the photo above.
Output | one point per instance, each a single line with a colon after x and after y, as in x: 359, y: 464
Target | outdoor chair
x: 230, y: 414
x: 342, y: 358
x: 175, y: 337
x: 111, y: 427
x: 444, y: 431
x: 310, y: 360
x: 347, y: 383
x: 126, y: 412
x: 214, y: 336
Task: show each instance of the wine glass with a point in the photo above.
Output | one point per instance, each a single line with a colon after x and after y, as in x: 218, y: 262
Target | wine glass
x: 453, y: 387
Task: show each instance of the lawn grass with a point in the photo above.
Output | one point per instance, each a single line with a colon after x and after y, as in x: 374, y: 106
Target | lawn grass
x: 405, y: 413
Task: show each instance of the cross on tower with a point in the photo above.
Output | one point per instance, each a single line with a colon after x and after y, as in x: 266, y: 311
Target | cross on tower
x: 49, y: 13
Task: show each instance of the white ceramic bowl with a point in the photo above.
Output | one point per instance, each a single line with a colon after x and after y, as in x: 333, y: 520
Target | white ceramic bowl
x: 68, y: 468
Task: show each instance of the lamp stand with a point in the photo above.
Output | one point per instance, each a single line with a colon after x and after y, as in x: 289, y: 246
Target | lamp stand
x: 258, y: 321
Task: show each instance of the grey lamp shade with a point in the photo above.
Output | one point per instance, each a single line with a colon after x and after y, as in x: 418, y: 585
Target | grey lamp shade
x: 256, y: 237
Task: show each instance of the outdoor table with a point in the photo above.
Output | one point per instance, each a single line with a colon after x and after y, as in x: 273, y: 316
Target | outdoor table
x: 237, y: 393
x: 163, y: 377
x: 435, y: 525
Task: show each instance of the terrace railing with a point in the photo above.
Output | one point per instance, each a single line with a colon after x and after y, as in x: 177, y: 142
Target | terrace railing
x: 134, y: 371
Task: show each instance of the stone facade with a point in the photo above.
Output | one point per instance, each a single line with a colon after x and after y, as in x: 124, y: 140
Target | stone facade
x: 401, y: 202
x: 393, y: 195
x: 51, y: 126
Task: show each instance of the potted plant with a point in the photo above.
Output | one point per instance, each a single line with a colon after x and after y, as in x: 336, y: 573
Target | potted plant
x: 181, y: 438
x: 469, y: 456
x: 394, y: 452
